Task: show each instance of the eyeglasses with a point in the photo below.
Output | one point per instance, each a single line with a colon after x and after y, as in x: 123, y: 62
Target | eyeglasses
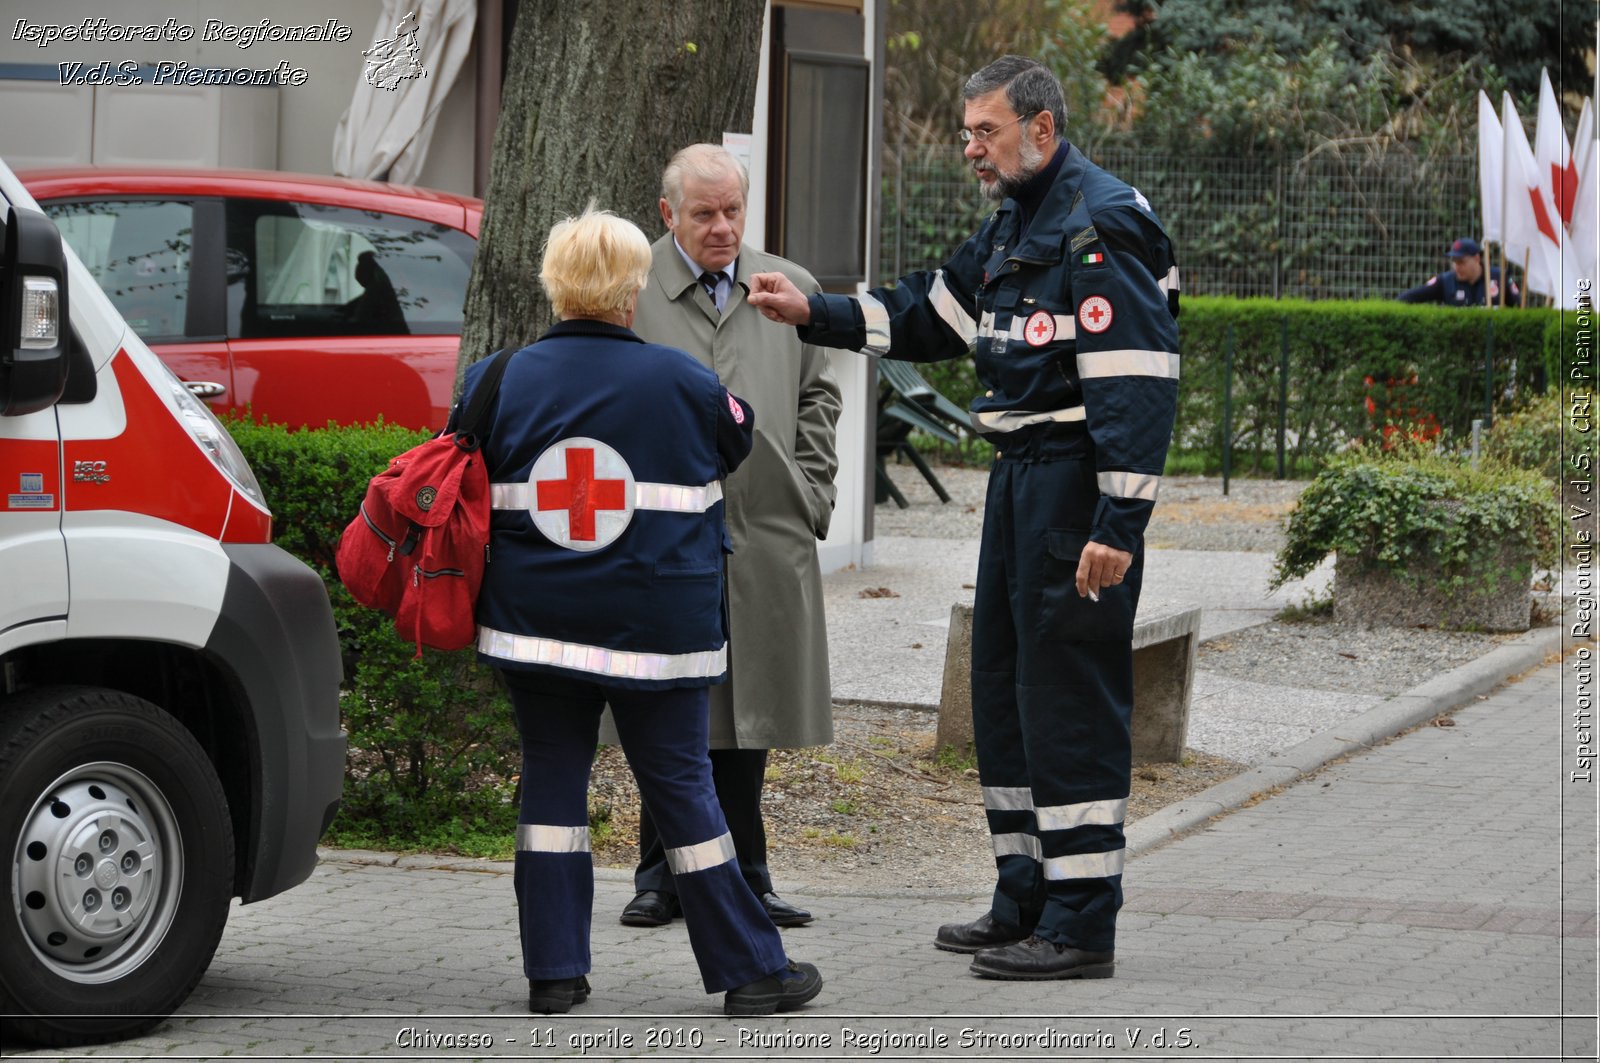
x: 982, y: 135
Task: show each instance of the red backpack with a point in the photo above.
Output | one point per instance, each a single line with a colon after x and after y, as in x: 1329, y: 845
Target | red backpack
x: 417, y: 549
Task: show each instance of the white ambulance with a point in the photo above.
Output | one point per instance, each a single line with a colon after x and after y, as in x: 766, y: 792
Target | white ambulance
x: 169, y: 681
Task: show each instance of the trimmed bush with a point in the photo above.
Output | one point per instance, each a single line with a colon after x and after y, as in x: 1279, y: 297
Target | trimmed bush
x: 433, y: 748
x: 1448, y: 534
x: 1367, y: 370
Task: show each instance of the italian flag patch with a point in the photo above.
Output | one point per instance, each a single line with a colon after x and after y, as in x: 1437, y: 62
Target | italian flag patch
x: 1093, y: 258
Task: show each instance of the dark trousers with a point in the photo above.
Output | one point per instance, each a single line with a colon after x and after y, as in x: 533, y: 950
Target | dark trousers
x: 1052, y: 697
x: 738, y: 775
x: 664, y: 734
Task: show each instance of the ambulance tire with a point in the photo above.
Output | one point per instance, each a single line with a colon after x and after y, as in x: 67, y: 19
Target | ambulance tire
x: 119, y: 872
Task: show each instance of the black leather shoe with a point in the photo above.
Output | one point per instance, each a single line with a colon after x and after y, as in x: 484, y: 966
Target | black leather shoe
x: 557, y: 995
x: 651, y: 908
x: 784, y: 991
x: 985, y: 932
x: 1037, y: 959
x: 782, y: 912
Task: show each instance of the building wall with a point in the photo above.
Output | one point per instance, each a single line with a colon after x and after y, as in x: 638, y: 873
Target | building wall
x: 298, y: 136
x: 291, y: 128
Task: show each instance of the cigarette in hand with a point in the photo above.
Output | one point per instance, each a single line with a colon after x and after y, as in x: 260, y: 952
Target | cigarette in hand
x: 1093, y: 597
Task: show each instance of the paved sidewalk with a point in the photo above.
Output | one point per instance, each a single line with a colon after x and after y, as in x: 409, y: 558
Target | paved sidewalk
x: 1432, y: 897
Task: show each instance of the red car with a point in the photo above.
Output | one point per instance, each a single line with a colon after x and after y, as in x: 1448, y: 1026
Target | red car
x: 301, y: 299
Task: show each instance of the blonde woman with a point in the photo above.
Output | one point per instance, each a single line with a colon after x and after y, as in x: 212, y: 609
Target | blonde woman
x: 607, y: 456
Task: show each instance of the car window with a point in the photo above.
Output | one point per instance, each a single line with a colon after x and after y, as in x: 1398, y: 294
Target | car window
x: 305, y: 269
x: 138, y: 251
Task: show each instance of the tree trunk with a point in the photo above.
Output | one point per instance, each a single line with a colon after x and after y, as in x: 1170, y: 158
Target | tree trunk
x: 598, y: 96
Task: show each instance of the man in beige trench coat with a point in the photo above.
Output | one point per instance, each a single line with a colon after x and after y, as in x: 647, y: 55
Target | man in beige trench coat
x: 779, y: 503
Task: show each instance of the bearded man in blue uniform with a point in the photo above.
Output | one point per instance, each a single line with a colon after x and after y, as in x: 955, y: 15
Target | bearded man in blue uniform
x: 1068, y: 298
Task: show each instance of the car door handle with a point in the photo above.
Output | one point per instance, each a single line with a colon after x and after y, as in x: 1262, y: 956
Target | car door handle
x: 205, y: 389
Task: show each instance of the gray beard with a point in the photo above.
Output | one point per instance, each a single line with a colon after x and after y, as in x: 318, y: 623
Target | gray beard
x: 1007, y: 186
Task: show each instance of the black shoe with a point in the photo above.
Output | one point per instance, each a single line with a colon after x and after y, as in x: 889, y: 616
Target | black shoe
x: 782, y: 912
x: 985, y: 932
x: 651, y: 908
x: 784, y: 991
x: 1037, y: 959
x: 557, y: 995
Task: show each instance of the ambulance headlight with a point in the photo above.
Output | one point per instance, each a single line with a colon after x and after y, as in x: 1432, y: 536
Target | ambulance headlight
x: 215, y: 441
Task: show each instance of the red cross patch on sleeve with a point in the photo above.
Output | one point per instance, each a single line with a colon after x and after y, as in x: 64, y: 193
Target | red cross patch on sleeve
x: 1095, y: 314
x: 735, y: 409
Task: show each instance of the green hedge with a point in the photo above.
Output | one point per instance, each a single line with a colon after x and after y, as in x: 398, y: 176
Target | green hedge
x: 432, y: 744
x: 1421, y: 368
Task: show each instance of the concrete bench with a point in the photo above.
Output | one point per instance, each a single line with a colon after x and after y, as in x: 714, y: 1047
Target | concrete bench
x: 1165, y: 638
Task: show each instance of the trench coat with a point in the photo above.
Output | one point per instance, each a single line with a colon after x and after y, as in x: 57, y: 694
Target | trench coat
x: 779, y: 502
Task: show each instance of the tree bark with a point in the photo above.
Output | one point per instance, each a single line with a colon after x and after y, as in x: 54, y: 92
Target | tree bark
x: 598, y: 96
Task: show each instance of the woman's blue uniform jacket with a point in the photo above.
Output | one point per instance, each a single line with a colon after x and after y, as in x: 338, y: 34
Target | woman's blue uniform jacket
x: 644, y: 609
x: 1071, y: 320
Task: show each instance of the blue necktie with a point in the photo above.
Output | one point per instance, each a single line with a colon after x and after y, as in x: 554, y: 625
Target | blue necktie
x: 709, y: 280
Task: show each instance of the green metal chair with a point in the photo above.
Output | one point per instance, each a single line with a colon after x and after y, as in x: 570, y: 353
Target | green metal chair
x: 907, y: 402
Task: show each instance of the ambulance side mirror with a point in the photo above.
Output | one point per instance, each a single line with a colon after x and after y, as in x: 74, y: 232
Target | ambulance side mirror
x: 34, y: 333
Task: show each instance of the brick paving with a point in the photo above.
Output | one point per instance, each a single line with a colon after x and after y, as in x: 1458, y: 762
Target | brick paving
x: 1430, y: 898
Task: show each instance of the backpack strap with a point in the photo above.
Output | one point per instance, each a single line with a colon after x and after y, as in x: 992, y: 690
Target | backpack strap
x: 475, y: 419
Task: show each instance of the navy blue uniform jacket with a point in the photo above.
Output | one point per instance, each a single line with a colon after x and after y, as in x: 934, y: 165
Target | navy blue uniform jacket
x: 1072, y: 323
x: 643, y: 610
x: 1445, y: 289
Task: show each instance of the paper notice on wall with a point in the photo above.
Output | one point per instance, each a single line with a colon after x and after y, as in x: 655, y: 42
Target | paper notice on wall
x: 738, y: 145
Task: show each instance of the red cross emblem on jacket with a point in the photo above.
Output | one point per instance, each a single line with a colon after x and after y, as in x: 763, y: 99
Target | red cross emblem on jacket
x: 583, y: 494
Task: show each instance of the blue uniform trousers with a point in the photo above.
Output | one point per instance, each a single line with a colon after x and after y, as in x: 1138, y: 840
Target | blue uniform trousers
x: 664, y: 734
x: 1052, y: 697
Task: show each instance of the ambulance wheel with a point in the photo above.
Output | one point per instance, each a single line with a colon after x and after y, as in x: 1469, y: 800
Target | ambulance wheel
x: 120, y: 865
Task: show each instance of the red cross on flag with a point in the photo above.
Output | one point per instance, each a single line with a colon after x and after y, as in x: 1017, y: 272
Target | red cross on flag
x: 1533, y: 232
x: 583, y: 494
x: 1557, y: 172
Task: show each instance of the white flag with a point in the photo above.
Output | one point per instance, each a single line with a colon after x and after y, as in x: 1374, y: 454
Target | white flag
x: 1557, y: 174
x: 1532, y: 232
x: 1585, y: 230
x: 1491, y: 166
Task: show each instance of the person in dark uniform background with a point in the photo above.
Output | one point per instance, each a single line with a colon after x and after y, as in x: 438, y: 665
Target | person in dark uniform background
x: 1067, y: 296
x: 606, y: 457
x: 1462, y: 285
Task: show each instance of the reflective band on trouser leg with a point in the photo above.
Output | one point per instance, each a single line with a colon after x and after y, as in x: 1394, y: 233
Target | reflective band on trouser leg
x: 554, y: 873
x: 664, y: 733
x: 1084, y: 865
x: 1065, y: 817
x: 690, y: 858
x: 538, y: 838
x: 997, y: 733
x: 1079, y: 743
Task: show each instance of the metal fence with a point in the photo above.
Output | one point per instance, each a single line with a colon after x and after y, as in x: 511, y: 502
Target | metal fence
x: 1323, y: 228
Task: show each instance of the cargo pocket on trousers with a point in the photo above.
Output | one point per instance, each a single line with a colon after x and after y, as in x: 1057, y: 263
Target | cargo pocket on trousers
x: 1064, y: 615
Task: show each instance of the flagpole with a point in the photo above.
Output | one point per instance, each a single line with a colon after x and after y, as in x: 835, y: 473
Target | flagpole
x: 1505, y: 193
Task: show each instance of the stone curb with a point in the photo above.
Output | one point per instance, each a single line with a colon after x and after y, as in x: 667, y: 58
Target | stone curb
x: 1400, y: 713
